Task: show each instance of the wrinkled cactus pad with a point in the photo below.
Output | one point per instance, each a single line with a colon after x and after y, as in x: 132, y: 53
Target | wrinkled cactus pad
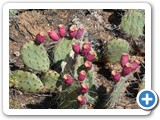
x: 27, y: 82
x: 114, y: 49
x: 35, y: 56
x: 132, y: 23
x: 50, y: 80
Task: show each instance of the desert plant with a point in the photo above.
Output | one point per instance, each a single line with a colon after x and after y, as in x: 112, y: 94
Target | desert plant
x: 70, y: 61
x: 35, y: 56
x: 132, y: 23
x: 29, y: 82
x: 115, y: 48
x: 26, y: 81
x: 74, y: 78
x: 120, y: 78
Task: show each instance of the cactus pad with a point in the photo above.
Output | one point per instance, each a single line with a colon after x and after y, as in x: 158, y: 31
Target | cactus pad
x: 27, y: 82
x: 114, y: 49
x: 132, y: 23
x: 35, y: 56
x: 50, y: 80
x: 115, y: 94
x: 12, y: 80
x: 62, y: 49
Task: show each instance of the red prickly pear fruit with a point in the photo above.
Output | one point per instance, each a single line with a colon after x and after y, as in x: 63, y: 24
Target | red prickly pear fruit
x: 90, y: 56
x: 53, y: 35
x: 68, y: 79
x: 84, y: 88
x: 135, y: 65
x: 62, y: 30
x: 72, y: 31
x: 127, y: 69
x: 82, y: 75
x: 88, y: 65
x: 76, y: 47
x: 79, y: 33
x: 86, y: 48
x: 124, y: 59
x: 116, y: 76
x: 40, y: 38
x: 81, y: 100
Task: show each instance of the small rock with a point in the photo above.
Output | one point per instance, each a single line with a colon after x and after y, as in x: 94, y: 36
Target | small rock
x: 17, y: 54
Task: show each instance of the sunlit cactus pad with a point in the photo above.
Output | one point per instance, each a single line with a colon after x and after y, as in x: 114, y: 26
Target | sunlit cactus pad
x: 35, y: 56
x: 62, y: 49
x: 27, y: 82
x: 133, y: 22
x: 115, y: 48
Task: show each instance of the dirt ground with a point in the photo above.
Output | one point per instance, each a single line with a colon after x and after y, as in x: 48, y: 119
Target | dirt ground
x: 100, y: 26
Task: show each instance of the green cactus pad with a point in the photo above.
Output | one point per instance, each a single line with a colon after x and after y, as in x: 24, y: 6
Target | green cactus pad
x: 62, y: 49
x: 12, y: 80
x: 91, y: 96
x: 35, y: 56
x: 142, y: 84
x: 132, y: 23
x: 114, y: 49
x: 115, y: 94
x: 27, y: 82
x: 50, y: 80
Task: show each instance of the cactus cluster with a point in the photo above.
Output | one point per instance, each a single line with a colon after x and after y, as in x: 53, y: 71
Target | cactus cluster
x: 132, y: 23
x: 30, y: 82
x: 73, y: 80
x: 120, y: 78
x: 115, y: 48
x: 72, y: 75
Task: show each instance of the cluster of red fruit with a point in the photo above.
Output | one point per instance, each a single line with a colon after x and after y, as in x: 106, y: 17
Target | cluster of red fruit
x: 88, y: 57
x: 56, y: 36
x: 127, y: 67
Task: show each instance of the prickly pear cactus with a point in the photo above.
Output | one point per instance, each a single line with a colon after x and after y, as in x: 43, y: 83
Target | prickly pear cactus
x: 50, y: 80
x: 35, y: 56
x: 116, y: 93
x: 132, y: 23
x: 114, y: 49
x: 69, y: 93
x: 26, y: 81
x: 72, y: 64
